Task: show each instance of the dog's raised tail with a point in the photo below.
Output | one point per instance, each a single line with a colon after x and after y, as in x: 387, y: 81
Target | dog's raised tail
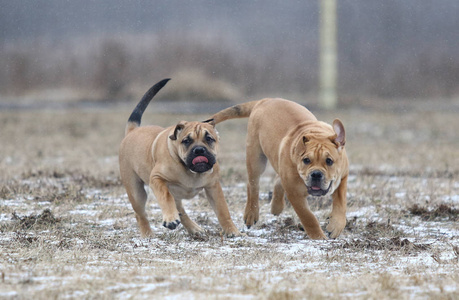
x: 237, y: 111
x: 136, y: 116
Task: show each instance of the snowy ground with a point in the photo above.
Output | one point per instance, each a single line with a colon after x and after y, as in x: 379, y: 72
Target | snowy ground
x: 67, y: 229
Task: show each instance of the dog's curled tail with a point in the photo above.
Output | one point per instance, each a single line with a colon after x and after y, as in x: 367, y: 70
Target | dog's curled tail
x: 237, y: 111
x: 136, y: 115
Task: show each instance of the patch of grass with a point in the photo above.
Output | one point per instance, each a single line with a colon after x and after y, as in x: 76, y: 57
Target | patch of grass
x: 373, y: 228
x: 56, y: 188
x: 382, y: 230
x: 393, y: 244
x: 281, y: 230
x: 45, y: 219
x: 76, y: 177
x: 280, y: 295
x: 12, y: 188
x: 442, y: 211
x: 447, y: 174
x: 26, y: 240
x: 282, y: 225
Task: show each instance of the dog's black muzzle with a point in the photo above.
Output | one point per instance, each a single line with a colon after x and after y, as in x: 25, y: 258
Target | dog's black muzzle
x: 200, y: 160
x: 315, y: 184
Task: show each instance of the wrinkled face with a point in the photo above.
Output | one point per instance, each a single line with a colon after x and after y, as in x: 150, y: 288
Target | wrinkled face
x: 319, y: 163
x: 196, y: 145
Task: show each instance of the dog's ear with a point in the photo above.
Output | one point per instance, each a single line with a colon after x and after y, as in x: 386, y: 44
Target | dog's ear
x: 210, y: 121
x: 340, y: 139
x: 299, y: 148
x: 177, y: 129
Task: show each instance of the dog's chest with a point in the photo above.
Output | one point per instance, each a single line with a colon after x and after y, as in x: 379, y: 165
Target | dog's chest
x: 183, y: 192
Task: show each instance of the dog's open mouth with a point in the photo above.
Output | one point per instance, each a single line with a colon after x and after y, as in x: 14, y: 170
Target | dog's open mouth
x: 317, y: 191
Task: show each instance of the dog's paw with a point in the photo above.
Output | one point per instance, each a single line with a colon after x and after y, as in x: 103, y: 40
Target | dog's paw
x: 171, y: 225
x: 317, y: 236
x: 232, y: 232
x: 195, y: 230
x: 250, y: 218
x: 335, y: 226
x: 199, y: 236
x: 146, y: 233
x: 192, y: 227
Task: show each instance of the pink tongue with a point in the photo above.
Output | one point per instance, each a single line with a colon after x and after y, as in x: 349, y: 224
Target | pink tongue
x: 199, y: 159
x: 315, y: 188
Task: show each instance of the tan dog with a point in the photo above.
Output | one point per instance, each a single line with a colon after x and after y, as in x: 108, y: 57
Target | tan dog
x: 308, y: 156
x: 177, y: 163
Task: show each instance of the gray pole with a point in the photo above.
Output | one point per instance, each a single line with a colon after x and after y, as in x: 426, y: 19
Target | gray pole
x: 328, y: 60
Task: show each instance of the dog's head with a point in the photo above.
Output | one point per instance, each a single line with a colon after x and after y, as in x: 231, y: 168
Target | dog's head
x: 320, y: 158
x: 196, y: 144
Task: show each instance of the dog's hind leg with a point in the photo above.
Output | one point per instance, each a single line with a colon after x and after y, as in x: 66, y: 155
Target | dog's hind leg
x: 138, y: 198
x: 278, y: 201
x: 190, y: 225
x: 256, y: 165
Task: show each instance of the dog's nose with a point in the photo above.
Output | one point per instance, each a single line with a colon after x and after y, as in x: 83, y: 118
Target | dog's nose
x: 316, y: 175
x: 199, y: 150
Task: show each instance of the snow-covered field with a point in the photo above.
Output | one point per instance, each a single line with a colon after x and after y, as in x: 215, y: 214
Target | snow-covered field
x: 67, y: 229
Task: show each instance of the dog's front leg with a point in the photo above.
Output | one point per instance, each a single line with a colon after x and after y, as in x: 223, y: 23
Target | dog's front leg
x: 166, y: 201
x: 308, y: 219
x: 216, y: 199
x: 337, y: 219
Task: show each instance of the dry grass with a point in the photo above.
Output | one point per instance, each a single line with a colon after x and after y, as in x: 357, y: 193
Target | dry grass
x: 68, y: 231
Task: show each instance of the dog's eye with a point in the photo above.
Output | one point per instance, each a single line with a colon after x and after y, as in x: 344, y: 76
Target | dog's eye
x: 209, y: 139
x: 306, y: 161
x: 329, y: 161
x: 186, y: 141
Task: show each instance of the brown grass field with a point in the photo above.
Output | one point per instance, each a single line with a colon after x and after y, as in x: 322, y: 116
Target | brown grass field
x: 67, y: 229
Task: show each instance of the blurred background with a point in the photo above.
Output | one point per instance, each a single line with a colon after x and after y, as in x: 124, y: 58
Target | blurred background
x: 112, y: 51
